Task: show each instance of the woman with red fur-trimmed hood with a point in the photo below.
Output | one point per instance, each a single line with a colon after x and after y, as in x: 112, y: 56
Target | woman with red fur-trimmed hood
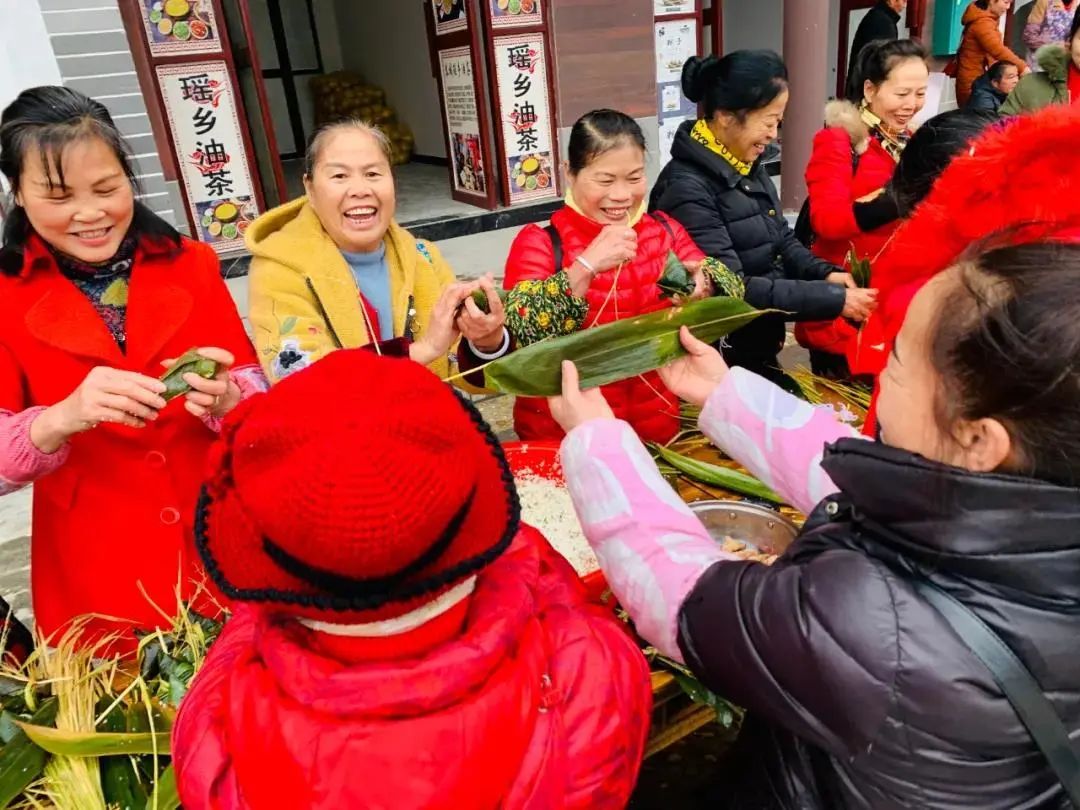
x: 1011, y: 175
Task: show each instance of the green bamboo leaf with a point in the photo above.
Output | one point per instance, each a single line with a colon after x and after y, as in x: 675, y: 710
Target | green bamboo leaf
x: 480, y: 298
x: 288, y: 325
x: 616, y: 351
x: 94, y: 744
x: 21, y: 761
x: 675, y: 279
x: 190, y: 362
x: 166, y: 795
x: 717, y: 476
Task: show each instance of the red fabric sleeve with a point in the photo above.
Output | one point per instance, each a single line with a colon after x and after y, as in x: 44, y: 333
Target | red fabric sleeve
x: 218, y: 310
x: 682, y: 243
x: 829, y: 179
x: 532, y: 257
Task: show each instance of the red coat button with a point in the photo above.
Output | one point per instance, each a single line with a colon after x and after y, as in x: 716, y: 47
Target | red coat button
x: 170, y: 516
x: 155, y: 459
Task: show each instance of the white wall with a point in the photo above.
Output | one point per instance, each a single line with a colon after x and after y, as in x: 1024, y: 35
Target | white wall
x: 386, y: 42
x: 754, y: 24
x: 26, y: 55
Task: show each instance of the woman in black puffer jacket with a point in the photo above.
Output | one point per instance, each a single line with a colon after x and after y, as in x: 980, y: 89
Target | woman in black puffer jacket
x: 859, y: 693
x: 718, y: 189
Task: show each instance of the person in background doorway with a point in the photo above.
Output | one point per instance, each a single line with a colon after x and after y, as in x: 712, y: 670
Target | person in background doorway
x: 98, y: 295
x: 981, y: 45
x: 334, y: 270
x: 599, y: 261
x: 400, y: 639
x: 991, y: 89
x: 852, y: 161
x: 1057, y: 83
x: 880, y: 23
x: 717, y: 187
x: 1048, y: 23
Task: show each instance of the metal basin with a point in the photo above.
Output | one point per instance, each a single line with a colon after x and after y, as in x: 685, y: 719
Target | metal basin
x: 768, y: 532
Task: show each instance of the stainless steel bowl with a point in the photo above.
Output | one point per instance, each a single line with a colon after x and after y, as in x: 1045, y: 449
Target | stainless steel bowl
x: 766, y: 531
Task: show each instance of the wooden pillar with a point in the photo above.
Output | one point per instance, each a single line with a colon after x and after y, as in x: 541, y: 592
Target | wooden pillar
x: 806, y: 46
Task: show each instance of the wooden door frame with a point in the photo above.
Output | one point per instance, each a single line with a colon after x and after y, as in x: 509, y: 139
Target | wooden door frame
x: 842, y: 55
x: 286, y: 73
x: 263, y: 99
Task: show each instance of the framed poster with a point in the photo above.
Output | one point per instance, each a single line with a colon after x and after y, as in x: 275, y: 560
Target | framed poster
x: 524, y: 112
x: 676, y: 41
x: 663, y: 7
x: 180, y: 27
x: 463, y: 122
x: 450, y: 16
x: 210, y: 149
x: 515, y: 13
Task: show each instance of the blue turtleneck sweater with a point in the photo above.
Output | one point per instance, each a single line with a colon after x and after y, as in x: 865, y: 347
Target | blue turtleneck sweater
x: 372, y: 274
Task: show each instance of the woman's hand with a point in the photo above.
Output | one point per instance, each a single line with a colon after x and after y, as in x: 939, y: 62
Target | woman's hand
x: 214, y: 397
x: 441, y: 329
x: 485, y: 332
x: 105, y: 395
x: 615, y: 245
x: 843, y: 279
x: 576, y: 407
x: 703, y: 286
x: 858, y: 304
x: 694, y: 376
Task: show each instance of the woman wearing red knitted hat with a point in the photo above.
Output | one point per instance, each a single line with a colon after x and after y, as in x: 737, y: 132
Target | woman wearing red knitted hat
x: 399, y: 640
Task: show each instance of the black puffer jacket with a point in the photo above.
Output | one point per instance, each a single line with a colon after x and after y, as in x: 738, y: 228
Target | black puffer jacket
x: 861, y: 694
x: 738, y: 220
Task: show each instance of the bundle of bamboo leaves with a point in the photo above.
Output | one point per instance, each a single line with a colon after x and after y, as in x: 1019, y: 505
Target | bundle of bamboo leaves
x: 78, y: 732
x: 616, y: 351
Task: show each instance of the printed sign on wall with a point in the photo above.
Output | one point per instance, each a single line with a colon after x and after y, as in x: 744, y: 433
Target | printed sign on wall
x: 676, y: 41
x: 662, y: 7
x: 515, y: 13
x: 176, y: 27
x: 450, y: 16
x: 463, y: 121
x: 210, y: 150
x: 526, y: 122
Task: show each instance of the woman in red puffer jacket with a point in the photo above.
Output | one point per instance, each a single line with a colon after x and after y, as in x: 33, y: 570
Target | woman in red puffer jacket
x: 853, y: 160
x: 599, y: 261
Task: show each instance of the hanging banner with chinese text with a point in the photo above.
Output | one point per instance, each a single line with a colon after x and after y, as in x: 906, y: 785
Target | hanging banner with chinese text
x: 463, y: 121
x: 206, y: 134
x: 175, y: 27
x: 527, y: 127
x: 515, y: 13
x: 676, y: 41
x: 450, y: 16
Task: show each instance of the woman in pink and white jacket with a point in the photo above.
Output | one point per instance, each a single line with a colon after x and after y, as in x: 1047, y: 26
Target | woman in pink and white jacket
x: 858, y: 692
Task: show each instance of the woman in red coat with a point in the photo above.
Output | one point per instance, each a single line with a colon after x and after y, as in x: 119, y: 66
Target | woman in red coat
x: 599, y: 261
x: 97, y: 295
x: 400, y: 640
x: 853, y: 159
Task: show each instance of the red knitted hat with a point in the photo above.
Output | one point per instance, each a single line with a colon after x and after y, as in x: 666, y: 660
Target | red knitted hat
x: 354, y: 491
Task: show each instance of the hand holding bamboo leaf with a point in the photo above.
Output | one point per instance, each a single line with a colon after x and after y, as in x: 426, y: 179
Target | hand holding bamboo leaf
x: 201, y: 376
x: 615, y: 351
x: 694, y: 377
x: 576, y: 407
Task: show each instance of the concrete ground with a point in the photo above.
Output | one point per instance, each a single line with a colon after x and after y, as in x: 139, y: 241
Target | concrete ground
x: 470, y: 256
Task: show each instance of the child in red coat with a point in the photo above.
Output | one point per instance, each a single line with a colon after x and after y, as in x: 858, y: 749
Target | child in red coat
x: 400, y: 640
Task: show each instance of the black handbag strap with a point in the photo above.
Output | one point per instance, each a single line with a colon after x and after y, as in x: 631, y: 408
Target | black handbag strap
x: 1019, y: 685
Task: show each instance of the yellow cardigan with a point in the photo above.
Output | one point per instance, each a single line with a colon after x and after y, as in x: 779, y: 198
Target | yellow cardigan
x: 304, y: 302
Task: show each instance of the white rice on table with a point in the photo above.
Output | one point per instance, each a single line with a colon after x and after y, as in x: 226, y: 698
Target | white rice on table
x: 546, y: 505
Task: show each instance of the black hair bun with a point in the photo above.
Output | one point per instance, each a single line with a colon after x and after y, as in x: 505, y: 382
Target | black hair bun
x: 696, y: 74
